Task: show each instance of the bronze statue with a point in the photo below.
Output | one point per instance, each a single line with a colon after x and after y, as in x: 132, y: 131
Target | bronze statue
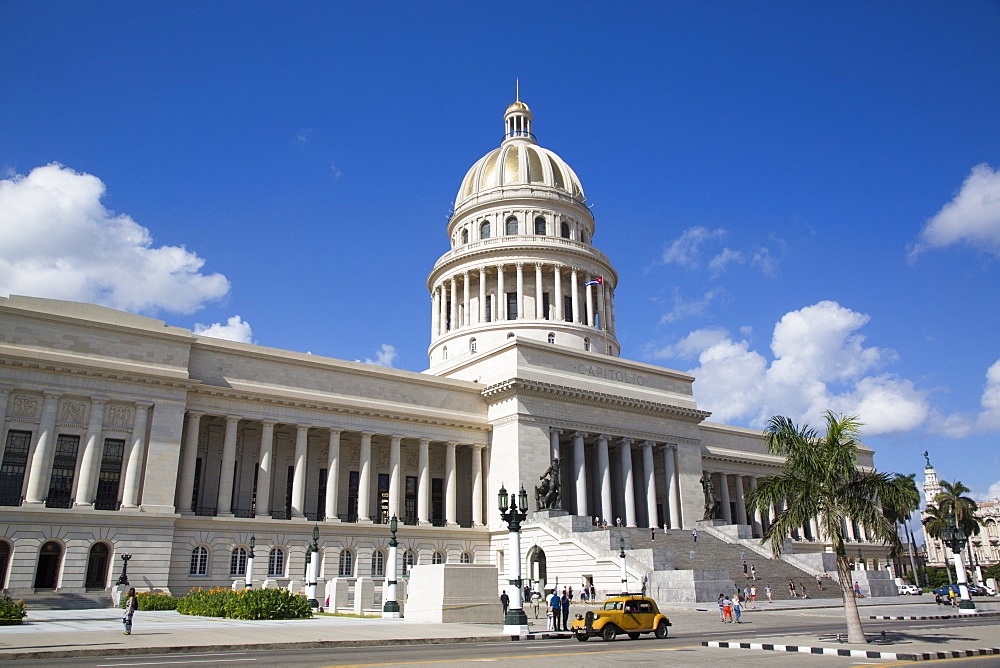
x: 547, y: 494
x: 928, y: 460
x: 712, y: 508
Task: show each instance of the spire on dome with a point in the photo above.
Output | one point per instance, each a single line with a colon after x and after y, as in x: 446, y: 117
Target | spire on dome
x: 517, y: 118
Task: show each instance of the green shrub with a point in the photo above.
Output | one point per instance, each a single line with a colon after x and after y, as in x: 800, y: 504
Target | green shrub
x: 267, y: 604
x: 11, y: 611
x: 154, y: 600
x: 211, y: 603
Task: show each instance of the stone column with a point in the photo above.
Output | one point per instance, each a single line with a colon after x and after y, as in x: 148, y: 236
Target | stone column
x: 849, y: 536
x: 435, y: 314
x: 574, y: 294
x: 451, y: 485
x: 814, y: 529
x: 136, y: 456
x: 756, y: 518
x: 648, y: 470
x: 610, y: 306
x: 554, y: 443
x: 589, y: 292
x: 40, y: 463
x: 673, y: 489
x: 299, y: 472
x: 365, y: 478
x: 189, y: 462
x: 332, y: 475
x: 477, y: 485
x: 539, y: 293
x: 91, y: 453
x: 264, y: 469
x: 394, y: 473
x: 466, y: 297
x: 741, y: 508
x: 444, y: 309
x: 520, y: 290
x: 580, y: 473
x: 727, y: 511
x: 557, y: 278
x: 604, y: 471
x: 424, y: 482
x: 5, y: 391
x: 224, y: 501
x: 501, y: 305
x: 454, y: 304
x: 482, y: 295
x: 625, y: 451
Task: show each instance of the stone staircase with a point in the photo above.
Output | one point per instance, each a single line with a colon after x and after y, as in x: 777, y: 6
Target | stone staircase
x: 55, y: 600
x: 711, y: 553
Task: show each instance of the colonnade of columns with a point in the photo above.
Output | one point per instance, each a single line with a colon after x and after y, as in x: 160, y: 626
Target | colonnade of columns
x: 367, y: 469
x: 453, y: 297
x: 599, y: 498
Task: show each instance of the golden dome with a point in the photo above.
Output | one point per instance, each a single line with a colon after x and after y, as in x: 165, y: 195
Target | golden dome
x: 517, y: 106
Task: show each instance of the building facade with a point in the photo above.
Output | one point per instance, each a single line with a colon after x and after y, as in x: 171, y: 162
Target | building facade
x: 122, y: 434
x: 985, y: 546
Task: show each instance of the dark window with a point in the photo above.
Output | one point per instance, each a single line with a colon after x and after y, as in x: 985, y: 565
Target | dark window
x: 15, y: 459
x: 583, y: 236
x: 253, y: 497
x: 567, y: 308
x: 110, y: 476
x: 489, y: 308
x: 552, y: 337
x: 383, y: 498
x: 353, y: 480
x: 437, y: 500
x: 197, y: 483
x: 321, y: 494
x: 465, y: 236
x: 4, y: 561
x: 410, y: 501
x: 539, y: 225
x: 545, y: 305
x: 48, y: 565
x: 511, y: 226
x: 484, y: 231
x: 276, y: 563
x: 289, y: 479
x: 564, y: 230
x: 512, y: 306
x: 199, y: 561
x: 447, y: 316
x: 63, y: 468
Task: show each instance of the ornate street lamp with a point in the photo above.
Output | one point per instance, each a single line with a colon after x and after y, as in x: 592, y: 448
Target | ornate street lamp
x: 516, y: 621
x: 953, y: 536
x: 391, y: 607
x: 123, y: 578
x: 248, y: 582
x: 621, y: 546
x: 312, y: 568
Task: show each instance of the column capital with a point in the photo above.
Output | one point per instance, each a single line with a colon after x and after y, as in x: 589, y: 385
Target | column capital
x: 556, y: 431
x: 6, y: 389
x: 425, y: 441
x: 478, y: 446
x: 396, y: 439
x: 52, y: 395
x: 268, y: 424
x: 335, y: 430
x: 232, y: 419
x: 626, y: 441
x: 580, y: 434
x: 603, y: 437
x: 520, y: 265
x: 451, y: 444
x: 649, y: 443
x: 94, y: 401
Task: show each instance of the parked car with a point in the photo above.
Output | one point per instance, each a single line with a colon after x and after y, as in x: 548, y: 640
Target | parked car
x: 632, y: 615
x: 909, y: 590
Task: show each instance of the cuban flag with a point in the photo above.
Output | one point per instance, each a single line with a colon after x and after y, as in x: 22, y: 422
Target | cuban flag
x: 596, y: 281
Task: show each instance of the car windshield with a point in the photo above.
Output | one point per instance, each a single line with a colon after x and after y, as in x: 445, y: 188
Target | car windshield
x: 613, y: 605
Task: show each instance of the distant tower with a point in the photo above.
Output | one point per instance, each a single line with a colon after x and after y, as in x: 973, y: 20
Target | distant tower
x: 931, y: 485
x: 522, y: 261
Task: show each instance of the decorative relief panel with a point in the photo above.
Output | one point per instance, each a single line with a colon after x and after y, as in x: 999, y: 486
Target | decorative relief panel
x: 118, y: 416
x: 383, y: 457
x: 24, y: 406
x: 437, y: 463
x: 354, y: 454
x: 73, y: 411
x: 412, y: 459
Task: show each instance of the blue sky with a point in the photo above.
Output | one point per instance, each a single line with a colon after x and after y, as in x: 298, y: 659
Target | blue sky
x: 802, y: 199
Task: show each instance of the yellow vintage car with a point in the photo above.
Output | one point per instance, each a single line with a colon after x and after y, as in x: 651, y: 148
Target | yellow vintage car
x: 631, y: 615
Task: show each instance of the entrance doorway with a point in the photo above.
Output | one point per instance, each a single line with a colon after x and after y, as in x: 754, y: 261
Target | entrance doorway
x: 97, y: 566
x: 48, y: 565
x: 537, y: 570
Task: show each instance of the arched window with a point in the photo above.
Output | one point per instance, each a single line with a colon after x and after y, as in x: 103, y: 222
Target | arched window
x: 276, y: 563
x: 378, y: 564
x: 484, y: 230
x: 552, y: 337
x: 564, y: 230
x: 346, y: 568
x: 586, y: 344
x: 472, y: 345
x: 511, y: 226
x: 510, y: 335
x: 4, y: 562
x: 539, y: 225
x: 438, y: 557
x: 409, y: 561
x: 199, y: 561
x: 98, y: 564
x: 465, y: 236
x: 238, y: 561
x: 466, y: 558
x: 49, y: 560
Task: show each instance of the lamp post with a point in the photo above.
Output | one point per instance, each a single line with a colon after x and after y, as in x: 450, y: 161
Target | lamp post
x: 621, y: 546
x: 248, y: 582
x: 123, y: 578
x: 391, y: 607
x: 516, y: 621
x: 312, y: 568
x: 953, y: 536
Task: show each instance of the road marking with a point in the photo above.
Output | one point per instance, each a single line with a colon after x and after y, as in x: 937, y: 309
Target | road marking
x: 164, y: 663
x: 170, y: 656
x: 530, y: 656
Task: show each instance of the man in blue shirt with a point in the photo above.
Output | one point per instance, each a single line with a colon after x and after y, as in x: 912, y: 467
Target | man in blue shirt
x: 555, y: 604
x: 564, y: 608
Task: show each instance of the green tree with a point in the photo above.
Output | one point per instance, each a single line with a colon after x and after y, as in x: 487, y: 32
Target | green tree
x: 952, y: 501
x: 901, y: 516
x: 934, y: 522
x: 821, y: 479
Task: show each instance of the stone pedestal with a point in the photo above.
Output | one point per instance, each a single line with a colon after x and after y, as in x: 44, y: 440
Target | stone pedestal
x: 442, y: 593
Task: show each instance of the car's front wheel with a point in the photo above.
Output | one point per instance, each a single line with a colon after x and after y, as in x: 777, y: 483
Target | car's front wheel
x: 609, y: 633
x: 634, y: 636
x: 661, y: 630
x: 582, y: 637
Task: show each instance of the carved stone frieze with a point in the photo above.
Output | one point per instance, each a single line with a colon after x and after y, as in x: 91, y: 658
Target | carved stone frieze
x: 118, y: 416
x: 73, y: 411
x: 24, y: 406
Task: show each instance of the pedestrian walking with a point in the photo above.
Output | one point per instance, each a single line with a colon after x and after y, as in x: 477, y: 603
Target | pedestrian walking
x: 666, y: 529
x: 593, y: 593
x: 652, y: 533
x: 554, y: 605
x: 570, y: 594
x: 727, y: 610
x: 791, y: 589
x: 746, y: 570
x: 802, y: 586
x: 737, y: 609
x: 819, y: 583
x: 722, y: 608
x: 504, y: 601
x: 564, y: 609
x: 767, y: 591
x: 753, y: 596
x: 753, y: 571
x: 536, y: 600
x: 131, y: 605
x: 694, y: 535
x: 550, y: 620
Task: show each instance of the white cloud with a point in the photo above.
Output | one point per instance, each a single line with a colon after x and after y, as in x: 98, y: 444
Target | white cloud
x: 991, y: 494
x: 386, y: 356
x: 763, y: 260
x: 58, y: 241
x: 960, y: 425
x: 685, y: 249
x: 235, y: 329
x: 684, y: 309
x: 819, y: 363
x: 335, y: 171
x: 973, y: 216
x: 718, y: 263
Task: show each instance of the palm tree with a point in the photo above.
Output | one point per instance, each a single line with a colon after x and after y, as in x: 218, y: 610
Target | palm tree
x: 952, y: 501
x: 936, y: 520
x: 901, y: 516
x: 820, y: 478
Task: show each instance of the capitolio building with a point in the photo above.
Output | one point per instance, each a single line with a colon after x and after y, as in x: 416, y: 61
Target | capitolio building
x: 123, y: 435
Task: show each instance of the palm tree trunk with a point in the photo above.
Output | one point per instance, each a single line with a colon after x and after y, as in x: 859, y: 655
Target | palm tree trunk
x: 855, y: 632
x: 911, y: 548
